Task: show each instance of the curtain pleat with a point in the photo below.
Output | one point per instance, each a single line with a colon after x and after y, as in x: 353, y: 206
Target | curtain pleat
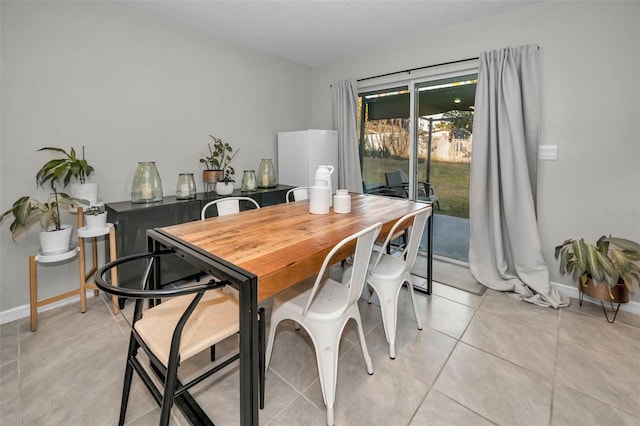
x: 505, y: 253
x: 345, y: 117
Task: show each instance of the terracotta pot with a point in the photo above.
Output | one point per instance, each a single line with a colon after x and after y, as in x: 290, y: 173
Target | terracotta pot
x: 601, y: 291
x: 212, y: 176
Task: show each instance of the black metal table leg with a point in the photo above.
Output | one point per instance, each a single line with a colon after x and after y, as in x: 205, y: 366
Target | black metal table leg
x: 249, y: 353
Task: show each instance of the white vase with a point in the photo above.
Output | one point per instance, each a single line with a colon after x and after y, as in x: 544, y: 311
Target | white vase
x: 224, y: 188
x: 85, y: 191
x: 95, y: 221
x: 56, y: 242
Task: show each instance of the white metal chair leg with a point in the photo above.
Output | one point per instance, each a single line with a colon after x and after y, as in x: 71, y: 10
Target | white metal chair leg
x: 326, y: 346
x: 363, y: 343
x: 409, y: 282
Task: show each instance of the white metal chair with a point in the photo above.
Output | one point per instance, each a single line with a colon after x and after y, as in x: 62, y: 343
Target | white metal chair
x: 227, y: 205
x: 322, y: 307
x: 388, y: 273
x: 299, y: 193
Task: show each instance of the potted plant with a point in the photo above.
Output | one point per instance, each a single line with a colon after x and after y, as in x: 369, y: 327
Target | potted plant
x: 217, y: 162
x: 225, y: 186
x: 605, y: 271
x: 95, y: 217
x: 26, y: 211
x: 66, y: 168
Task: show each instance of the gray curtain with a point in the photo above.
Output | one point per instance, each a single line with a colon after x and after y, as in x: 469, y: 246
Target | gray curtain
x: 505, y: 253
x: 345, y: 117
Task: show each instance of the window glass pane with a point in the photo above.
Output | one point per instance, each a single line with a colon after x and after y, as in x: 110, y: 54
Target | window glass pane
x: 384, y: 135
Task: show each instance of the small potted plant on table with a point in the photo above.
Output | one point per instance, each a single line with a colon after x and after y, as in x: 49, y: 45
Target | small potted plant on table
x: 605, y: 271
x: 217, y: 162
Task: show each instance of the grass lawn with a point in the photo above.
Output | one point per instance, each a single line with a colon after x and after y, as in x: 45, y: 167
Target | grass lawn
x: 450, y: 180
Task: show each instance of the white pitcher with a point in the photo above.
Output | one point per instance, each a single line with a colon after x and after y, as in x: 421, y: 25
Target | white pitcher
x: 323, y: 173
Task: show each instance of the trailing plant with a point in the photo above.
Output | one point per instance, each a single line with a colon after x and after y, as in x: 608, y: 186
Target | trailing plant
x: 64, y: 168
x: 27, y: 211
x: 220, y: 156
x: 228, y: 175
x: 610, y: 261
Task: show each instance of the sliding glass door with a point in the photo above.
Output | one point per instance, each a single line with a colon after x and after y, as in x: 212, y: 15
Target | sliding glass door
x: 415, y: 142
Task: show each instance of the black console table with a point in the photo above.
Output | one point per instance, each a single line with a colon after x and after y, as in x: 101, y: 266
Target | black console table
x: 133, y: 220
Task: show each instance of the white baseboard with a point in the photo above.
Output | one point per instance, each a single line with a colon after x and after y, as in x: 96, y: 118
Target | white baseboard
x: 632, y: 307
x: 24, y: 310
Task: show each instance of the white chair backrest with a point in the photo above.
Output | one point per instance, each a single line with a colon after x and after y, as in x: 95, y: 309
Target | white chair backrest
x: 364, y: 245
x: 299, y: 193
x: 228, y: 205
x: 415, y: 234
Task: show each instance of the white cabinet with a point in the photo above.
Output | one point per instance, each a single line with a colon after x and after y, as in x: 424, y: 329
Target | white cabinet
x: 301, y: 152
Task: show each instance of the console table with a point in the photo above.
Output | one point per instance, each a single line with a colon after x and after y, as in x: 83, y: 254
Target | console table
x: 132, y: 221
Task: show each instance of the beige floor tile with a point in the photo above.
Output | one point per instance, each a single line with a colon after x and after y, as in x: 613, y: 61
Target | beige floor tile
x: 457, y: 295
x: 420, y: 354
x: 10, y: 402
x: 392, y: 403
x: 595, y: 309
x: 219, y: 395
x: 79, y: 374
x: 496, y: 389
x: 616, y: 340
x: 534, y: 316
x: 573, y: 408
x: 61, y: 324
x: 438, y: 410
x: 525, y: 346
x: 438, y: 313
x: 9, y: 342
x: 299, y: 412
x: 599, y: 375
x: 75, y: 362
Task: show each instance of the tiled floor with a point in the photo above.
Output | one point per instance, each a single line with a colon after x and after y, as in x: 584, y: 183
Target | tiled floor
x: 479, y: 360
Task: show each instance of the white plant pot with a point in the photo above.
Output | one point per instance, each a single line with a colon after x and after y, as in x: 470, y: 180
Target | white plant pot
x: 224, y: 188
x: 95, y: 221
x: 56, y: 242
x: 85, y: 191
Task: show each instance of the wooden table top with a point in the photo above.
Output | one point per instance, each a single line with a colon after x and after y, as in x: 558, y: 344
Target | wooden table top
x: 284, y: 244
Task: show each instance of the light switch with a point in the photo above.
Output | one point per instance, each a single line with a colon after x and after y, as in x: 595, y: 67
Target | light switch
x: 547, y: 152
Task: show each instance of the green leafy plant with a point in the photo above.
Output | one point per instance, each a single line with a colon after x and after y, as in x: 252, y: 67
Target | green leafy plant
x: 228, y: 175
x: 70, y: 166
x: 94, y: 210
x: 27, y: 211
x: 220, y: 156
x: 610, y: 261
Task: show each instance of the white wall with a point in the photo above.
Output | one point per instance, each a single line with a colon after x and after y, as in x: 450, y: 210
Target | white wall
x: 590, y: 109
x: 129, y: 87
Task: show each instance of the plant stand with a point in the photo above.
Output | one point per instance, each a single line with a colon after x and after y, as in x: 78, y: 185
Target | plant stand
x: 92, y: 235
x: 34, y: 303
x: 83, y: 233
x: 601, y: 292
x: 604, y: 309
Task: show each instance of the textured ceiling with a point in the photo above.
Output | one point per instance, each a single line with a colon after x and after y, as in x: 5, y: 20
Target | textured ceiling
x: 315, y: 32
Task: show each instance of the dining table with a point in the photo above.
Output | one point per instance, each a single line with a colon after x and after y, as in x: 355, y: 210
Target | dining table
x: 264, y: 251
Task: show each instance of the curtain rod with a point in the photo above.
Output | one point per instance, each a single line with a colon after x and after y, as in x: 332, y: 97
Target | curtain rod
x: 418, y: 68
